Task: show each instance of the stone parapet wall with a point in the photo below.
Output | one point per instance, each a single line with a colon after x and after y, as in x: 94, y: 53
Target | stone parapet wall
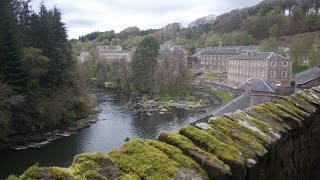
x: 276, y: 140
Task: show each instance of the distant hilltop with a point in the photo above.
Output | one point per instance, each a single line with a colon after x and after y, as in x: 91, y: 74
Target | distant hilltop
x: 204, y: 20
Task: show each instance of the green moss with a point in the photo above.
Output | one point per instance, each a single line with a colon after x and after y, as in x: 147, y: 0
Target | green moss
x: 187, y: 147
x: 286, y: 103
x: 263, y: 126
x: 128, y: 177
x: 244, y: 136
x: 12, y: 177
x: 91, y: 174
x: 268, y: 113
x: 232, y: 142
x: 288, y: 110
x: 86, y: 162
x: 233, y: 126
x: 280, y: 113
x: 178, y: 156
x: 223, y: 151
x: 60, y: 173
x: 31, y: 173
x: 137, y: 157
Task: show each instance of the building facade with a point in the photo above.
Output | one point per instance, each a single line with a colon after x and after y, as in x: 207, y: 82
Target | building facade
x: 172, y: 56
x: 214, y: 60
x: 271, y: 67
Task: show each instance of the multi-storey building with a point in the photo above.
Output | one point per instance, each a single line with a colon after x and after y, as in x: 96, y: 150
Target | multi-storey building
x: 273, y: 68
x: 172, y: 55
x: 214, y: 59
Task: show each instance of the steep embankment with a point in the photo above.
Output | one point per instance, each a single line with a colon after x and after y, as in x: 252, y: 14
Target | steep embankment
x: 278, y: 140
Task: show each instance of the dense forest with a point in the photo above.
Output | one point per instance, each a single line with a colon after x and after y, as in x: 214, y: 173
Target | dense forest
x: 39, y: 85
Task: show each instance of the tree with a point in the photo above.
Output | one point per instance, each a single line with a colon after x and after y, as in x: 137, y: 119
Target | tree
x: 11, y: 70
x: 144, y: 64
x: 300, y: 48
x: 274, y: 31
x: 271, y: 45
x: 36, y: 66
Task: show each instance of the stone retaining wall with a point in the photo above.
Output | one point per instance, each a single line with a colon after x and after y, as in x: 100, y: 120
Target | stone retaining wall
x: 277, y: 140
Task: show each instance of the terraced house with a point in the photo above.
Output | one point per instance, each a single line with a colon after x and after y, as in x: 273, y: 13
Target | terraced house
x: 273, y: 68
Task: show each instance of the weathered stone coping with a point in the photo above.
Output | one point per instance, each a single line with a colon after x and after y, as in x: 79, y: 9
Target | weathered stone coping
x: 242, y: 145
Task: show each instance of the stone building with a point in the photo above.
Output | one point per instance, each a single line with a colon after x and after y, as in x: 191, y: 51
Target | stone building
x: 213, y: 59
x: 172, y: 55
x: 271, y: 67
x: 109, y: 54
x: 255, y: 91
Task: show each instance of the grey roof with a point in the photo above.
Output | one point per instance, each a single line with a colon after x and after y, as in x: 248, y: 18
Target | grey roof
x: 260, y: 56
x: 171, y: 48
x: 219, y: 51
x: 258, y: 85
x: 307, y: 75
x: 242, y: 102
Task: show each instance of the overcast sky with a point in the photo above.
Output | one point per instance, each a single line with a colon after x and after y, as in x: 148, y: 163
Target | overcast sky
x: 85, y: 16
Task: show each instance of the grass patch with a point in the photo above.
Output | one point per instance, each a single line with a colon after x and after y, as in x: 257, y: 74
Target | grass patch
x: 297, y: 68
x: 224, y: 96
x: 211, y: 76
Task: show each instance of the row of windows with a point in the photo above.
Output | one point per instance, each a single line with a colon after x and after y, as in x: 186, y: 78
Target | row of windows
x: 274, y: 64
x: 214, y: 58
x: 238, y: 79
x: 247, y: 72
x: 256, y: 63
x: 248, y: 63
x: 213, y: 63
x: 273, y: 74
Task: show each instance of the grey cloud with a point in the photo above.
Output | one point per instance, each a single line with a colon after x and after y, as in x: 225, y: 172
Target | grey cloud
x: 84, y: 16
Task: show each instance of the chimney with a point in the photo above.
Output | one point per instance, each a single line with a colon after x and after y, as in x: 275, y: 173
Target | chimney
x: 248, y: 87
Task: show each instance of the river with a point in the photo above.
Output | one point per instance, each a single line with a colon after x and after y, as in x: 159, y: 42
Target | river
x: 115, y: 123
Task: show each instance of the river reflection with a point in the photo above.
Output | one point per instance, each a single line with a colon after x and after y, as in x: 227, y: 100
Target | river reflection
x: 115, y: 123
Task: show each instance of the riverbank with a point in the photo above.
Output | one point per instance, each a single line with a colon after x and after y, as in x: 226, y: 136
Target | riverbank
x: 38, y: 140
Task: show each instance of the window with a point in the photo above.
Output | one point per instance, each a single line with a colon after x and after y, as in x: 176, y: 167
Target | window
x: 284, y: 74
x: 273, y: 74
x: 285, y: 64
x: 273, y: 64
x: 278, y: 83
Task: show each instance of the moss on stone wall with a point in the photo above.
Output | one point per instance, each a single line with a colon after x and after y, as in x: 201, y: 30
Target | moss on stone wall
x: 236, y: 140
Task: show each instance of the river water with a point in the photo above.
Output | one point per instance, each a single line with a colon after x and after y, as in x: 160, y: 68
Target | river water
x: 115, y: 123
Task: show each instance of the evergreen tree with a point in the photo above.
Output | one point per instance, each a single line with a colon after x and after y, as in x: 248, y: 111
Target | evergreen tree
x: 144, y: 64
x: 11, y: 70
